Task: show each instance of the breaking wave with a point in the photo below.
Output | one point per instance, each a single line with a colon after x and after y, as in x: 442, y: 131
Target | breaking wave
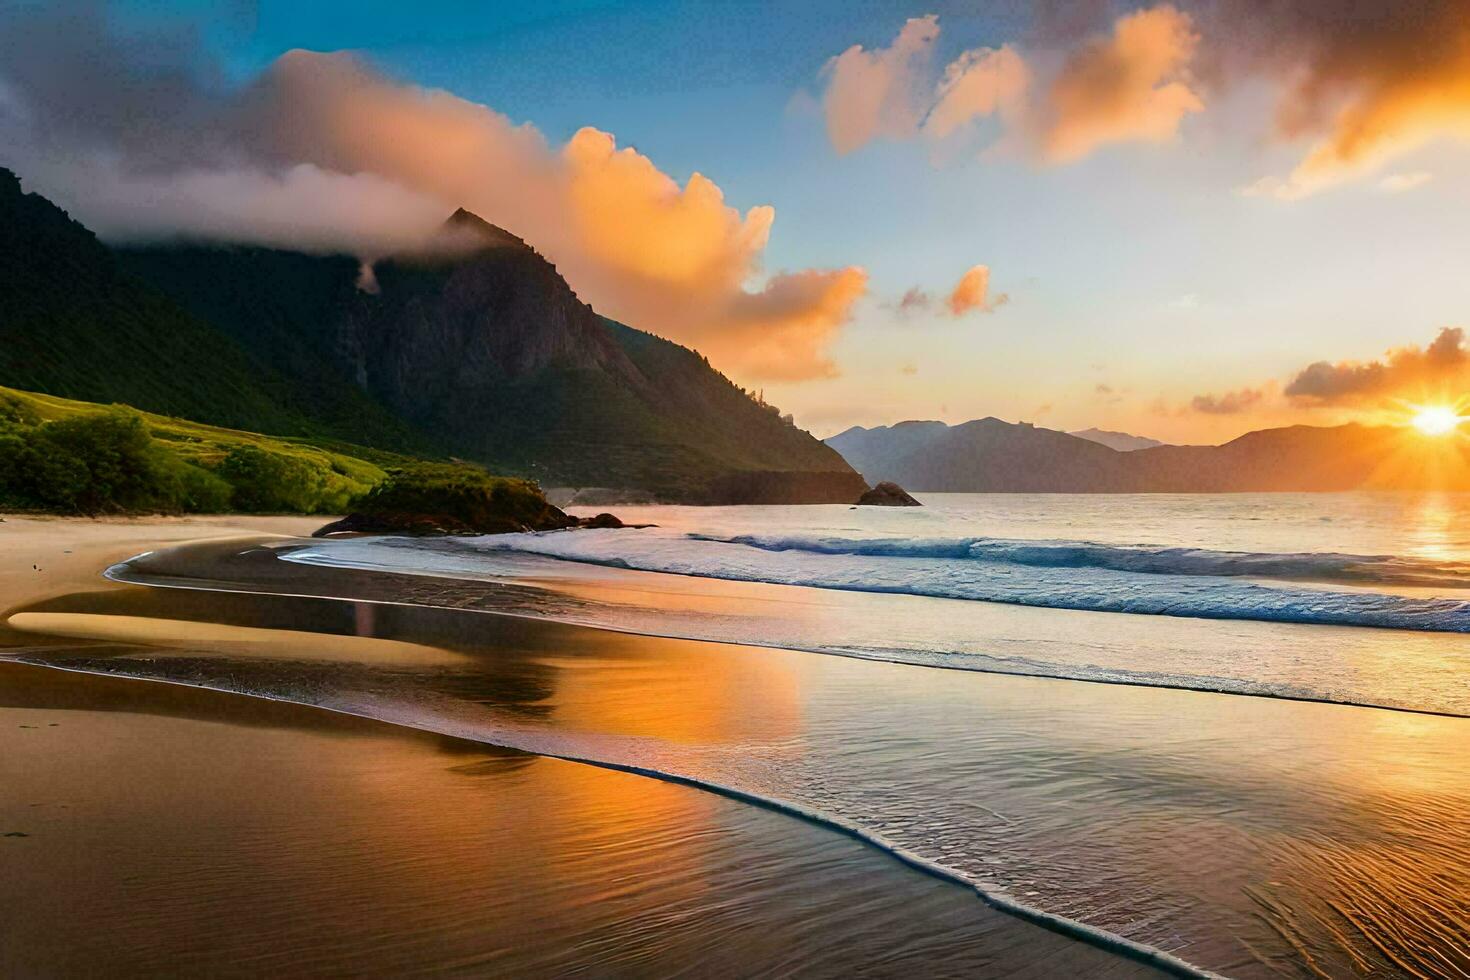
x: 1052, y: 574
x: 1306, y: 566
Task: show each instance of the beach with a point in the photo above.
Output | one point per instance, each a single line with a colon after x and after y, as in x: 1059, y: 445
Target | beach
x: 166, y: 827
x: 1101, y: 826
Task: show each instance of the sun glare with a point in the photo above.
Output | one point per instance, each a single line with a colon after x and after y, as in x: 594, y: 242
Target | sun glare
x: 1436, y: 421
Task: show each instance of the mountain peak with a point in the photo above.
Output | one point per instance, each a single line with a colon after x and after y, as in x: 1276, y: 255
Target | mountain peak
x: 476, y: 232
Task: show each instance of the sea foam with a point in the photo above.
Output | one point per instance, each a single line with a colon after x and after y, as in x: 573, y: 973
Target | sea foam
x: 1053, y: 574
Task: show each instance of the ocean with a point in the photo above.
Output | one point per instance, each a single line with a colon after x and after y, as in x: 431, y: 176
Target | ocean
x: 1194, y: 591
x: 1232, y: 731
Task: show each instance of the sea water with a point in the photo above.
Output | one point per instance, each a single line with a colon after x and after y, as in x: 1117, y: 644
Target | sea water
x: 1359, y: 598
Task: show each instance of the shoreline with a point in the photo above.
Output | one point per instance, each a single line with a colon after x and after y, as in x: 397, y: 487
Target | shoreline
x: 772, y: 728
x: 115, y: 540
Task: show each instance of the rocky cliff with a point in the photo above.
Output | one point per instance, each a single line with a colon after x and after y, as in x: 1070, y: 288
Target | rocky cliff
x: 480, y: 345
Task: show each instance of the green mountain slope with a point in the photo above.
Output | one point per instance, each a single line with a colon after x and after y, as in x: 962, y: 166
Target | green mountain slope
x: 493, y: 353
x: 478, y: 350
x: 75, y: 323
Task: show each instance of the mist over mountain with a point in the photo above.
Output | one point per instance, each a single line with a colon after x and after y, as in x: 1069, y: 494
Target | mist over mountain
x: 75, y: 322
x: 989, y: 455
x: 473, y: 347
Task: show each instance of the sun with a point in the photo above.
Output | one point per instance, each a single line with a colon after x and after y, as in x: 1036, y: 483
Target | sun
x: 1436, y: 420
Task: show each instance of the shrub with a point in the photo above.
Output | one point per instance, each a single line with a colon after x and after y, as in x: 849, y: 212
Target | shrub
x: 264, y: 481
x: 198, y: 490
x: 120, y: 468
x: 15, y: 412
x: 459, y: 496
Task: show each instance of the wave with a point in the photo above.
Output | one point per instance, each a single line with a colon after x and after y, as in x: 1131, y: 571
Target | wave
x: 1303, y: 566
x: 1054, y: 575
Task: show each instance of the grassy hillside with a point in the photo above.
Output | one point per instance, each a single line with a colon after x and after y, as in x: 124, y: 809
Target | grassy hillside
x: 487, y: 355
x: 75, y: 323
x: 495, y: 355
x: 68, y: 456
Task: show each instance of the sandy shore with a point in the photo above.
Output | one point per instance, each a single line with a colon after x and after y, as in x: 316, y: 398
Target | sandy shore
x: 158, y: 828
x: 46, y: 556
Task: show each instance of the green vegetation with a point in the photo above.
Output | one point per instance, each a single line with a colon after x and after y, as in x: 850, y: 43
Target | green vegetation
x: 451, y: 497
x: 75, y: 322
x: 70, y: 457
x: 490, y: 357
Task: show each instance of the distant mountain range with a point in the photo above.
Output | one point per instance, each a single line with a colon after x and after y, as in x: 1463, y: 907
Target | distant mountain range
x: 988, y: 455
x: 1123, y: 442
x: 481, y: 352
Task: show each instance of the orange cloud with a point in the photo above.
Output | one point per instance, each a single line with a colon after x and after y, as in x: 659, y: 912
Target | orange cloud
x: 323, y: 152
x: 1439, y: 371
x: 876, y: 93
x: 1131, y: 86
x: 972, y: 293
x: 638, y: 246
x: 1365, y: 86
x: 978, y: 83
x: 782, y: 331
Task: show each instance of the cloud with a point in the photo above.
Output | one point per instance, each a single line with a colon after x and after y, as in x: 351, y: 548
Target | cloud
x: 321, y: 151
x: 785, y: 328
x: 972, y: 293
x: 878, y: 93
x: 1438, y: 370
x: 1130, y: 86
x: 1054, y: 104
x: 1358, y: 87
x: 358, y: 213
x: 978, y: 83
x: 1230, y: 403
x: 914, y: 300
x: 1363, y: 86
x: 1400, y: 183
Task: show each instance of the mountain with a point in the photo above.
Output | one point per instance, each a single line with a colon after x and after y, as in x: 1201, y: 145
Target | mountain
x: 989, y: 455
x: 1123, y: 442
x: 475, y: 348
x: 985, y: 455
x: 75, y: 323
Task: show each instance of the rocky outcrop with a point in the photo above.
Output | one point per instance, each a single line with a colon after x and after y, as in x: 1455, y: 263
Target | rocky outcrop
x: 887, y: 494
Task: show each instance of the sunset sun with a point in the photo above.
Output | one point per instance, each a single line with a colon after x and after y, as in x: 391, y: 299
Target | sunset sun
x: 1436, y: 420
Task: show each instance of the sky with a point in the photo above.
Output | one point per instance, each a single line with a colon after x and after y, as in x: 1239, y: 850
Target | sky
x: 1182, y: 220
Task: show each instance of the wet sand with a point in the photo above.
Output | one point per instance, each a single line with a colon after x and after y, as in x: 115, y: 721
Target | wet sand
x: 170, y: 829
x: 1255, y: 837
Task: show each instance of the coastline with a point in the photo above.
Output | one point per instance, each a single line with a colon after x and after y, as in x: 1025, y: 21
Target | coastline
x: 1106, y: 805
x: 180, y: 727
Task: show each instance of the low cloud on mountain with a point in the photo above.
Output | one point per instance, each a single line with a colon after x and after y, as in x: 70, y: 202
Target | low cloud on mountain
x: 321, y: 151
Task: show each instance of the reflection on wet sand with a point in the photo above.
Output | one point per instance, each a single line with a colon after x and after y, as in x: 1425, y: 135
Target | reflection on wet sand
x: 152, y: 828
x: 1247, y: 835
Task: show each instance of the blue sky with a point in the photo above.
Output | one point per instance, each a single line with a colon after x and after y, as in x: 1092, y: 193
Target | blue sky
x: 1140, y: 268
